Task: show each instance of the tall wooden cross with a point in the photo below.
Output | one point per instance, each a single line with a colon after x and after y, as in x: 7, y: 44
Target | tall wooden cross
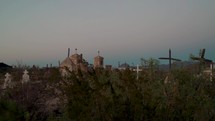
x: 170, y: 59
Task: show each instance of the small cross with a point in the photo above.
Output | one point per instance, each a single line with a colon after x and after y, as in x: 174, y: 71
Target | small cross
x: 25, y: 72
x: 7, y: 75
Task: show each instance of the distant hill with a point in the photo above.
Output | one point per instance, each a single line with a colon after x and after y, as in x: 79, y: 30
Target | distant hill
x: 4, y: 67
x: 177, y: 65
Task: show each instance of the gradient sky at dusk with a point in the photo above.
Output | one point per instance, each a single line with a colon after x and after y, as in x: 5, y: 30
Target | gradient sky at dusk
x: 40, y: 31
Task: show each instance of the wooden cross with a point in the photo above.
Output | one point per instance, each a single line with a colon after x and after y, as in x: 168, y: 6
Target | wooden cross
x: 170, y: 59
x: 202, y: 60
x: 201, y: 57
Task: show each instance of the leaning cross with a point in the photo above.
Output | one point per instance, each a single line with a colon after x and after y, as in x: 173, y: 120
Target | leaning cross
x: 202, y: 59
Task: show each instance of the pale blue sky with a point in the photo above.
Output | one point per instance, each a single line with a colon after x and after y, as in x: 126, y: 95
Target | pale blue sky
x: 40, y: 31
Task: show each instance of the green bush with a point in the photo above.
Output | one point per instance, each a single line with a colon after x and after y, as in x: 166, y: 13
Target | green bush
x: 9, y: 111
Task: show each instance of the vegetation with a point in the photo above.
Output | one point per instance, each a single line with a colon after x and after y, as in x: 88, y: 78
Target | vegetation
x: 103, y: 95
x: 9, y: 111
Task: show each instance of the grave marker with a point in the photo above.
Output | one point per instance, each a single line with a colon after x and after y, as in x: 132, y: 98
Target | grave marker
x: 170, y: 59
x: 7, y: 81
x: 25, y: 77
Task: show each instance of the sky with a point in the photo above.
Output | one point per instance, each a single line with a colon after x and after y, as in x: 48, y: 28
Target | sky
x: 39, y: 32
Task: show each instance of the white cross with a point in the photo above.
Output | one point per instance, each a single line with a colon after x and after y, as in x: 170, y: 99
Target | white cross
x: 138, y: 70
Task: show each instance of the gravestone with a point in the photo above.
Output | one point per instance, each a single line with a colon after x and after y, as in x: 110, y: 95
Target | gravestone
x: 34, y: 72
x: 25, y: 77
x: 65, y: 73
x: 7, y: 81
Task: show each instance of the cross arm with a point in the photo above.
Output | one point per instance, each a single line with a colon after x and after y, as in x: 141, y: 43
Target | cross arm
x: 163, y: 58
x: 207, y: 60
x: 175, y: 59
x: 195, y: 58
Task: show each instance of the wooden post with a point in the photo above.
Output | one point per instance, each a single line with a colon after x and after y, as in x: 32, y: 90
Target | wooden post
x: 68, y: 52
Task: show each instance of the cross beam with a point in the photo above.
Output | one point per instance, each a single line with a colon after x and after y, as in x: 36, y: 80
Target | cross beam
x: 170, y: 59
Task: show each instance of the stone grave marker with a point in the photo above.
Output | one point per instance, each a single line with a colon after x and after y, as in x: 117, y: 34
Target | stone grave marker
x: 7, y: 81
x: 25, y: 77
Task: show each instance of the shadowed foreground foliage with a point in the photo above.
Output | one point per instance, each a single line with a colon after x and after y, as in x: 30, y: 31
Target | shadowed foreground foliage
x: 117, y: 95
x: 9, y: 111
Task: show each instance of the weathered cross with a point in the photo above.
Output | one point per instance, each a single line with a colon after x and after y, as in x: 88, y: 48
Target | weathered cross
x: 203, y: 60
x: 201, y: 57
x: 170, y: 59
